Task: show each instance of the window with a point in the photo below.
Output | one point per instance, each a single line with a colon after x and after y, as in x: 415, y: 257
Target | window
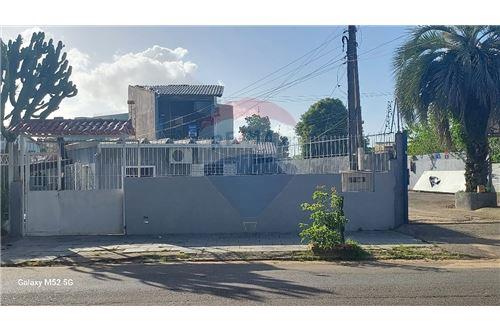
x: 146, y: 171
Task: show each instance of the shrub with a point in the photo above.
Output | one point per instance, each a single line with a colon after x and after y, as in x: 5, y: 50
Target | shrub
x: 327, y: 220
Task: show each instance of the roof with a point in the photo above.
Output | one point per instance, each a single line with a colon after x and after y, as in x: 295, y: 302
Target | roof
x: 116, y: 116
x: 186, y: 89
x: 77, y: 127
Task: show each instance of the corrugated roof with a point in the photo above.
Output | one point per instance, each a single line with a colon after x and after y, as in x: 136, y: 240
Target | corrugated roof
x: 68, y: 127
x: 187, y: 89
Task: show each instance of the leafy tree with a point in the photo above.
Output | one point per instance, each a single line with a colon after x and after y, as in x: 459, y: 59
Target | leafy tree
x: 453, y: 73
x: 259, y: 129
x: 424, y: 138
x: 35, y: 79
x: 325, y: 118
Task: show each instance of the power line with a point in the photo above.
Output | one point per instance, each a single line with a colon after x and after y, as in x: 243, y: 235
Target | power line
x: 335, y: 126
x: 268, y: 92
x: 276, y: 78
x: 302, y: 79
x: 317, y: 72
x: 288, y: 64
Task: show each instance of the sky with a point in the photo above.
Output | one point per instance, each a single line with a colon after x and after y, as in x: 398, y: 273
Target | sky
x: 290, y: 67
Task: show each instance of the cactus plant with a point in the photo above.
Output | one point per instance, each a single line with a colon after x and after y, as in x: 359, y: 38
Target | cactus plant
x: 35, y: 79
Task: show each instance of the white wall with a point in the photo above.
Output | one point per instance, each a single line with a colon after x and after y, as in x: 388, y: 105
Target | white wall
x: 426, y: 163
x: 97, y: 212
x: 495, y: 172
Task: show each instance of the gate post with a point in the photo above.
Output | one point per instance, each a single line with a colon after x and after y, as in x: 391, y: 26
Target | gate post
x: 16, y: 211
x: 402, y: 178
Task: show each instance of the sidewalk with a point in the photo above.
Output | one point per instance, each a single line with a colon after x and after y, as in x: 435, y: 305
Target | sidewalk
x: 77, y: 249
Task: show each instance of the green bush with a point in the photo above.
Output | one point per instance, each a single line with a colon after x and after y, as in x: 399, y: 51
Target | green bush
x: 327, y: 221
x: 495, y: 149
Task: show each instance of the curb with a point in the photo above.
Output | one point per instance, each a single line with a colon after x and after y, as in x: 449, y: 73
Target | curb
x: 431, y: 252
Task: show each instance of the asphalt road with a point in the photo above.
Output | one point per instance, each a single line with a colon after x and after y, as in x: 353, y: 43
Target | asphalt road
x: 257, y: 283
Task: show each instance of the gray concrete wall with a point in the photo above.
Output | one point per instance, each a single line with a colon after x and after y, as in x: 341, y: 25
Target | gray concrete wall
x: 216, y: 204
x: 142, y: 112
x: 15, y: 208
x: 97, y: 212
x: 454, y: 163
x: 426, y: 163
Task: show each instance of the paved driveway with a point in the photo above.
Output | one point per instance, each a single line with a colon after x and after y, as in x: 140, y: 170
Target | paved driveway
x: 434, y: 219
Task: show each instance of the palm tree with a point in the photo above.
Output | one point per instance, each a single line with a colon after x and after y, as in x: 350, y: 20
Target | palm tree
x: 452, y: 72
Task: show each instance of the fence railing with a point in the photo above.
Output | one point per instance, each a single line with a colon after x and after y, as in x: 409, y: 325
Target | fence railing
x: 104, y: 165
x: 4, y: 159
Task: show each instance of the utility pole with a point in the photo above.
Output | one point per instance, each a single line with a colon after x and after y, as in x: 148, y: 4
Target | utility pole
x: 355, y: 123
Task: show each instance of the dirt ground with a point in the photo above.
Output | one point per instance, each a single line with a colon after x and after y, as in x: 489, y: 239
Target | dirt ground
x: 440, y: 208
x: 434, y: 219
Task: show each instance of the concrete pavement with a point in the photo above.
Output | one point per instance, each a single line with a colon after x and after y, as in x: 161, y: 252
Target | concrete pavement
x: 399, y: 282
x: 434, y: 220
x: 477, y: 239
x: 440, y: 208
x: 217, y: 246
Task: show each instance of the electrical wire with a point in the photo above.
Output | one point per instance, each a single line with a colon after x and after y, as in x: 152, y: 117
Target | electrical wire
x: 269, y: 93
x: 282, y: 86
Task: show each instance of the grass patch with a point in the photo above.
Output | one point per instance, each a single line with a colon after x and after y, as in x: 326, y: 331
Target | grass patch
x: 349, y: 251
x: 376, y: 253
x: 415, y: 253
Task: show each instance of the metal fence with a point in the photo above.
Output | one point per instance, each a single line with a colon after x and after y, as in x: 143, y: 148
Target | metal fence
x: 91, y: 166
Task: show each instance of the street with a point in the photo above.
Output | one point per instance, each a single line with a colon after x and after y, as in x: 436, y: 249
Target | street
x: 257, y: 283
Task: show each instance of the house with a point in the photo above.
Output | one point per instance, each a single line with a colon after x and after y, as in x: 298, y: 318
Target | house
x: 179, y: 112
x: 52, y: 162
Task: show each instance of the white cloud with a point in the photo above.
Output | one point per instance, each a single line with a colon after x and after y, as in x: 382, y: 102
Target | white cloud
x: 163, y: 54
x: 78, y: 60
x: 26, y: 34
x: 103, y: 88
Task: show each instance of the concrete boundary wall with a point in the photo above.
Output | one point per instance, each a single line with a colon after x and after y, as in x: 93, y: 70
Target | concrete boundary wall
x: 97, y: 212
x: 454, y: 162
x: 215, y: 204
x: 422, y: 163
x: 234, y: 204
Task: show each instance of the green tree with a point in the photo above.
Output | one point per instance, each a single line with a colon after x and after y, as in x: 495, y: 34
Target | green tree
x: 324, y: 119
x: 35, y: 79
x: 327, y: 117
x: 259, y: 129
x: 424, y: 138
x: 453, y: 73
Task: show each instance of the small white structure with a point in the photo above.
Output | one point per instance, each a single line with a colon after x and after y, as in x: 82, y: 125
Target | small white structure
x: 441, y: 181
